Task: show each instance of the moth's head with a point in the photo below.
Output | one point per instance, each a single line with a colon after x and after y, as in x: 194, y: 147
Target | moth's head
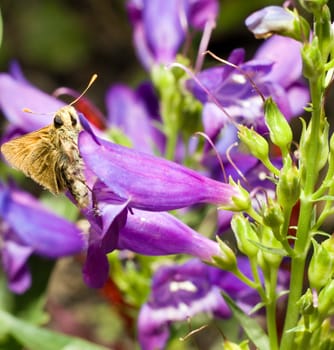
x: 66, y: 117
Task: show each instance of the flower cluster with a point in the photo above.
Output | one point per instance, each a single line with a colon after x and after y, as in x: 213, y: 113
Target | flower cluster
x: 148, y: 178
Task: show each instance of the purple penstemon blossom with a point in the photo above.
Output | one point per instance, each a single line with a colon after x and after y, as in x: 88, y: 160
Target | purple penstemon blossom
x: 160, y: 27
x: 148, y: 182
x: 142, y: 232
x: 26, y: 96
x: 26, y: 227
x: 182, y: 291
x: 235, y: 93
x: 127, y: 108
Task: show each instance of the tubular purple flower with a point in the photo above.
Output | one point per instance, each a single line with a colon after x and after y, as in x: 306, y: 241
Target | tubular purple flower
x: 150, y: 233
x: 14, y: 259
x: 26, y: 96
x: 147, y: 233
x: 160, y: 27
x: 128, y: 108
x: 27, y: 227
x: 236, y: 94
x: 182, y: 291
x: 148, y: 182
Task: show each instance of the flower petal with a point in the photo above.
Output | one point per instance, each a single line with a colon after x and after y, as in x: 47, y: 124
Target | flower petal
x: 162, y: 234
x: 37, y: 227
x: 148, y: 182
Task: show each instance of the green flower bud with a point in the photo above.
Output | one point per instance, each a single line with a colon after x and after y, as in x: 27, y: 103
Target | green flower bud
x: 270, y: 242
x: 244, y: 235
x: 313, y: 65
x: 328, y: 244
x: 307, y: 141
x: 227, y: 260
x: 273, y: 217
x: 305, y: 303
x: 320, y: 269
x: 313, y: 6
x: 288, y: 187
x: 257, y: 144
x: 326, y: 300
x: 279, y: 128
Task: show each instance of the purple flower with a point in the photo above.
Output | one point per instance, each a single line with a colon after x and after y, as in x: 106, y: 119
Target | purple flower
x: 128, y: 108
x: 160, y: 233
x: 236, y: 94
x: 147, y: 182
x: 182, y: 291
x: 160, y: 27
x: 27, y: 227
x: 147, y: 233
x: 269, y: 20
x: 26, y: 96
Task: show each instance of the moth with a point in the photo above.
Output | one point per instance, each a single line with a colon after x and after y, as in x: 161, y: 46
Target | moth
x: 50, y: 156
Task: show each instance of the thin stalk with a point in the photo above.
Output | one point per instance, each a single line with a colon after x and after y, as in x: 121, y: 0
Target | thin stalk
x: 271, y: 310
x: 304, y: 221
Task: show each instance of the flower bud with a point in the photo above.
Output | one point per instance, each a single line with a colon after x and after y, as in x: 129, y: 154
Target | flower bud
x: 306, y: 143
x: 227, y: 259
x: 268, y: 240
x: 279, y: 128
x: 305, y: 303
x: 277, y: 20
x: 328, y: 244
x: 320, y: 269
x: 326, y: 300
x: 273, y: 217
x: 257, y: 144
x: 245, y: 235
x: 313, y: 5
x: 288, y: 187
x: 312, y: 60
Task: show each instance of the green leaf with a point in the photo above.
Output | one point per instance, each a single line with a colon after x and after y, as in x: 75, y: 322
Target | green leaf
x: 250, y: 326
x: 35, y: 338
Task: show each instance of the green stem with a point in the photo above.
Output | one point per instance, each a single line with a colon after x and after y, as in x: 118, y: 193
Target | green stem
x: 171, y: 145
x: 271, y: 310
x: 305, y: 216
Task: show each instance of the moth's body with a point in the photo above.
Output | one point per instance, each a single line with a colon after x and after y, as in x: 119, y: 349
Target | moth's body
x: 50, y: 156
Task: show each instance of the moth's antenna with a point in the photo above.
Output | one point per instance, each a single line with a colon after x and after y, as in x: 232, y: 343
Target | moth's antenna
x: 28, y: 110
x: 91, y: 81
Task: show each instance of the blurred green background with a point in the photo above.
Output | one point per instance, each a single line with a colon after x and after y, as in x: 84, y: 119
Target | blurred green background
x: 62, y: 42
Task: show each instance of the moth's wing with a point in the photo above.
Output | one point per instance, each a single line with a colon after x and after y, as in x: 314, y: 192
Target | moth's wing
x: 36, y: 157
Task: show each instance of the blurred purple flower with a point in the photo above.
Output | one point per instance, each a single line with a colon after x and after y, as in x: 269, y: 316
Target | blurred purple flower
x: 160, y: 27
x: 127, y: 109
x: 27, y: 227
x: 26, y: 96
x: 236, y: 94
x: 148, y: 182
x: 147, y: 233
x: 182, y: 291
x: 269, y: 20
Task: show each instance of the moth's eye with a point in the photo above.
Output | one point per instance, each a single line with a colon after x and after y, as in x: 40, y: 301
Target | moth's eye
x: 73, y: 120
x: 57, y: 121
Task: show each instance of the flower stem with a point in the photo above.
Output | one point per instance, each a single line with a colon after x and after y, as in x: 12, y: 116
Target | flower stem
x: 271, y: 310
x: 304, y: 222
